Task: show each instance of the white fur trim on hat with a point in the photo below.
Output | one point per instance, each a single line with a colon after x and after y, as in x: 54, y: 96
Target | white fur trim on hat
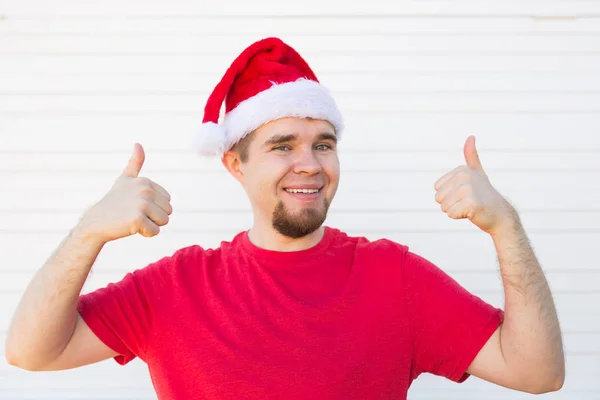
x: 302, y: 98
x: 209, y: 139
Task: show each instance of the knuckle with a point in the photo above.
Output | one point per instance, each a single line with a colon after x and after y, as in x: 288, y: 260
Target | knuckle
x: 147, y: 192
x: 142, y: 180
x: 139, y: 219
x: 142, y: 205
x: 464, y: 175
x: 149, y: 230
x: 154, y: 230
x: 146, y: 233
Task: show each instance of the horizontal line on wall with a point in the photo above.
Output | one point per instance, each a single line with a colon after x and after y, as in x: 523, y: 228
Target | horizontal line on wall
x: 358, y: 34
x: 102, y: 93
x: 196, y: 113
x: 363, y: 15
x: 322, y: 71
x: 583, y: 353
x: 341, y: 151
x: 88, y: 171
x: 329, y: 52
x: 363, y: 231
x: 331, y: 212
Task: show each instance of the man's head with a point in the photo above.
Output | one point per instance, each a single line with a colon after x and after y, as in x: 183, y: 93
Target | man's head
x: 278, y: 136
x: 290, y: 171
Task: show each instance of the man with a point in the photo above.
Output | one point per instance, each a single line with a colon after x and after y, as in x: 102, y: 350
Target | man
x: 289, y: 309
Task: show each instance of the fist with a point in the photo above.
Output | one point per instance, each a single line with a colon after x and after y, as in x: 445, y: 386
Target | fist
x: 133, y: 205
x: 466, y: 192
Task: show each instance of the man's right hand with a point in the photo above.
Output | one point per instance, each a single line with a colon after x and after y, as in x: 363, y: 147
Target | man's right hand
x: 133, y: 205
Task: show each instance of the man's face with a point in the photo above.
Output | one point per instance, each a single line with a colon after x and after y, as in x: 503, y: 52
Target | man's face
x: 292, y: 174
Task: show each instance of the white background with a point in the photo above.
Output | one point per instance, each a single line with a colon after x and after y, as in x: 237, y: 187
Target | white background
x: 80, y: 81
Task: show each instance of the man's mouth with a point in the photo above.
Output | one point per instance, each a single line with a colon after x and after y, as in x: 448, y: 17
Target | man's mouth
x: 305, y: 191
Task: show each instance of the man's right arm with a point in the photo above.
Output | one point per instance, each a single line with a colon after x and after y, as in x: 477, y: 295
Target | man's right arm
x: 47, y: 332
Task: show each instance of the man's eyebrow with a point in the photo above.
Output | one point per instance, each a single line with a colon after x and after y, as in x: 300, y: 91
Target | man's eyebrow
x: 278, y: 139
x: 327, y: 136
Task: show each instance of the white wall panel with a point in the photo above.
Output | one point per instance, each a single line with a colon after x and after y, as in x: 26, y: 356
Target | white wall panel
x: 340, y: 82
x: 311, y: 8
x: 330, y: 62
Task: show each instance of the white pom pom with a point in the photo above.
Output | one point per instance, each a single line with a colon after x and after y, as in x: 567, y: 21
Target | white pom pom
x: 209, y: 139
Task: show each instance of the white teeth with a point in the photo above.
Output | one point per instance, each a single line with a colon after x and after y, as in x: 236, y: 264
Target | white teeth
x: 302, y: 190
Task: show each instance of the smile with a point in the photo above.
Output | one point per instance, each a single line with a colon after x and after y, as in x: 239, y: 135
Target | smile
x: 289, y: 190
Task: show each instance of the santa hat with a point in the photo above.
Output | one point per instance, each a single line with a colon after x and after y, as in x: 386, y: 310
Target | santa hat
x: 267, y: 81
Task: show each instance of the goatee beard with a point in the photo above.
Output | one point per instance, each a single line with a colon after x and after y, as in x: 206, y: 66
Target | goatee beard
x: 298, y: 225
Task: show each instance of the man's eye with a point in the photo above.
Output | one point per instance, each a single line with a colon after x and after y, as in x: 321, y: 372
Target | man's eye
x: 323, y: 147
x: 281, y: 148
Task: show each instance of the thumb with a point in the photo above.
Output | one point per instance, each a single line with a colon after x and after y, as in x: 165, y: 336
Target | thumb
x: 135, y: 163
x: 471, y: 155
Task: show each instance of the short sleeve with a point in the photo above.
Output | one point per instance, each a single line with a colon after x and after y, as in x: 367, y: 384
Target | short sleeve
x: 119, y: 314
x: 449, y: 325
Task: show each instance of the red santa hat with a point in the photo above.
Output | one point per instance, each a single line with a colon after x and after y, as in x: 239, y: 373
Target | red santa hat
x: 267, y: 81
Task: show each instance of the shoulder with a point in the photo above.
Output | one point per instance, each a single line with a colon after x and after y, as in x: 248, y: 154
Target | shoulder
x: 382, y: 248
x: 386, y: 252
x: 185, y: 261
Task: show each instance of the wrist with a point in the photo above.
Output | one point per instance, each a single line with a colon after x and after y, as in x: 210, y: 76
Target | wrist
x: 84, y: 232
x: 509, y: 226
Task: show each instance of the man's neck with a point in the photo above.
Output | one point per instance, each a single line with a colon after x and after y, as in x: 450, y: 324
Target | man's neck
x: 269, y: 239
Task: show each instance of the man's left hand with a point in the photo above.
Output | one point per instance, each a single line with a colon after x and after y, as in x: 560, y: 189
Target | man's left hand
x: 466, y: 192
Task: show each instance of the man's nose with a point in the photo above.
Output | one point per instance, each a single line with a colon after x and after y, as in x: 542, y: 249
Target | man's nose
x: 307, y: 162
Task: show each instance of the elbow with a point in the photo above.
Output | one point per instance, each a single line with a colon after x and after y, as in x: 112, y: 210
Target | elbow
x: 557, y: 380
x: 24, y: 365
x: 12, y: 359
x: 539, y: 381
x: 10, y: 355
x: 549, y: 385
x: 15, y: 359
x: 557, y: 383
x: 548, y: 388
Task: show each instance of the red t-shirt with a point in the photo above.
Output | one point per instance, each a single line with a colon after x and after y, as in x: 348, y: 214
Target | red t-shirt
x: 347, y: 318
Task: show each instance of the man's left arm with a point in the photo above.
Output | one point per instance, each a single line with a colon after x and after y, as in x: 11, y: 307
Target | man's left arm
x: 526, y: 351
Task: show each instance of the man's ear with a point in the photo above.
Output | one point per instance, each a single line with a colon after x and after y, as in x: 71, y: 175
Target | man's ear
x: 232, y: 162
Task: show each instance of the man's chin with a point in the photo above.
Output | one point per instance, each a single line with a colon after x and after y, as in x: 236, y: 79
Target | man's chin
x: 300, y: 222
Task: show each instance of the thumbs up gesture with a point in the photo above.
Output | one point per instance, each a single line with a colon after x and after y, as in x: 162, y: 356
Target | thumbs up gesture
x: 466, y: 192
x: 133, y: 205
